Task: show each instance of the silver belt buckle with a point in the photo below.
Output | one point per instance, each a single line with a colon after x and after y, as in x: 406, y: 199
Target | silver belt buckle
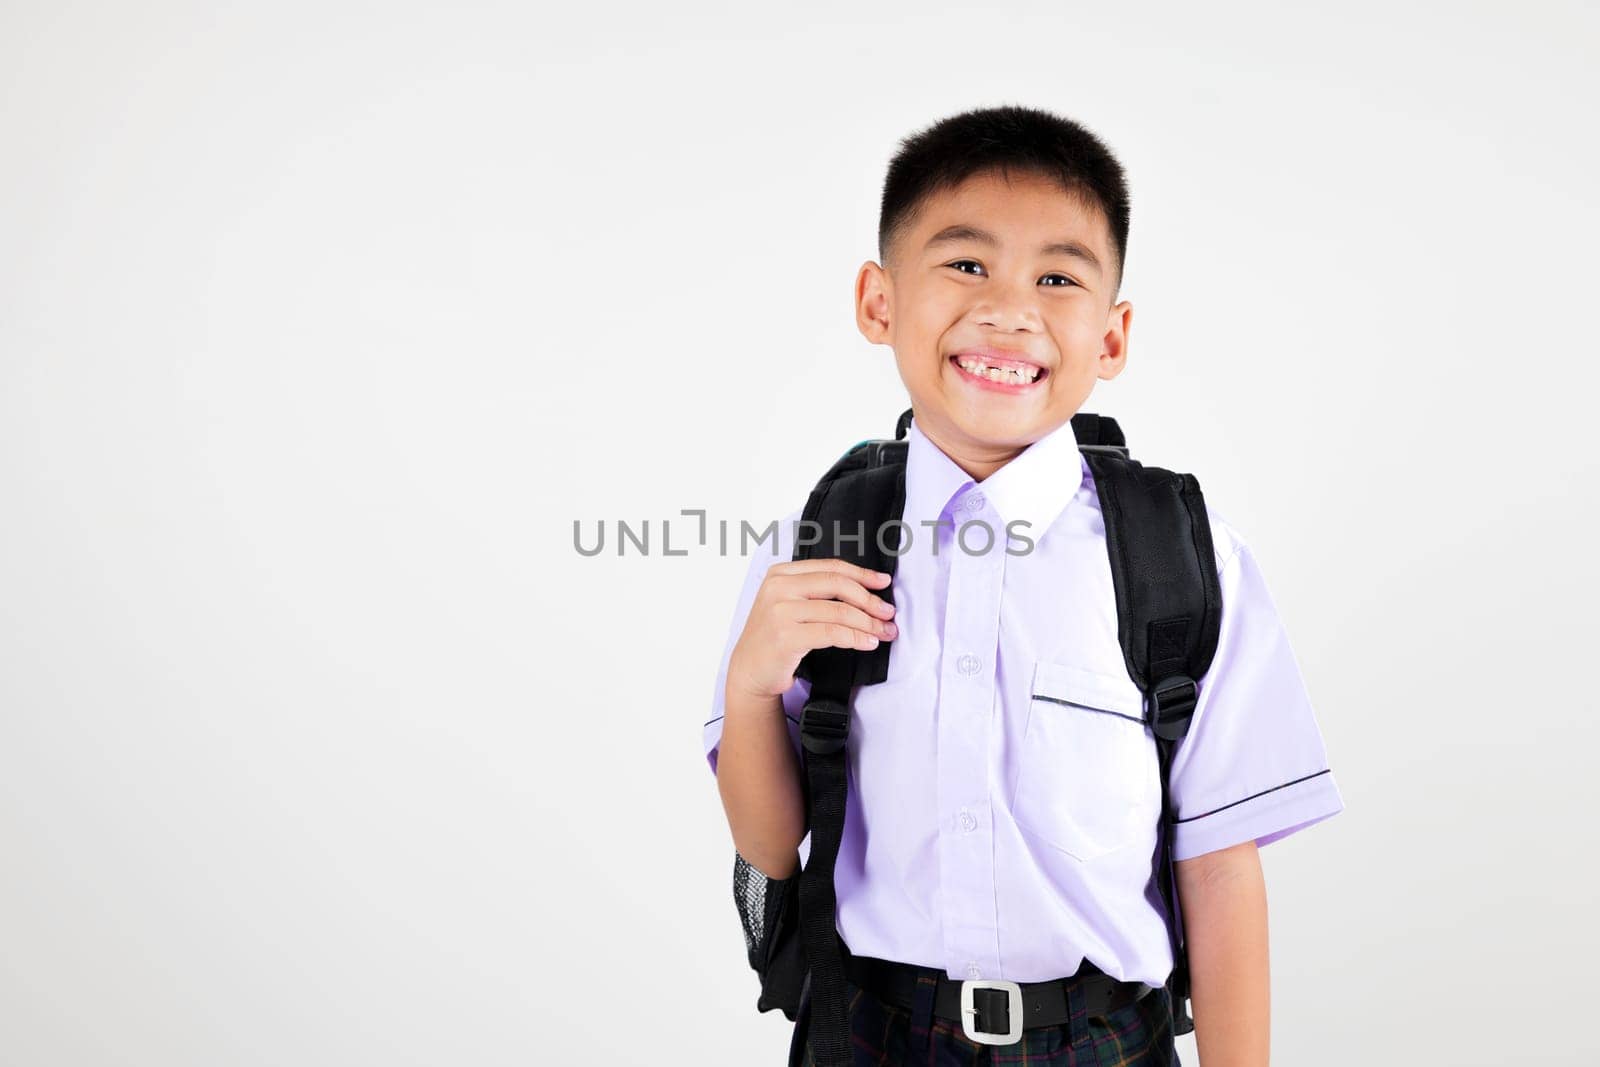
x: 969, y: 1012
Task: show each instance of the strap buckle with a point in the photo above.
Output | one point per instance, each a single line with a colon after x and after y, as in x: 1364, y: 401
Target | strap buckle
x: 1170, y: 704
x: 824, y: 725
x: 991, y: 1009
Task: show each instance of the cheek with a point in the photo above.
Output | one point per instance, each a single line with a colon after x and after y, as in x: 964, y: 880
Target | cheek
x: 1079, y: 344
x: 1078, y: 331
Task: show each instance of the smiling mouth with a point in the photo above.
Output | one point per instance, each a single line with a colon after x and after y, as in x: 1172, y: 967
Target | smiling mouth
x: 1006, y: 372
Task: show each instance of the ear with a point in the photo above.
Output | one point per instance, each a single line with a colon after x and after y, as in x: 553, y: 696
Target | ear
x: 1114, y: 346
x: 873, y: 292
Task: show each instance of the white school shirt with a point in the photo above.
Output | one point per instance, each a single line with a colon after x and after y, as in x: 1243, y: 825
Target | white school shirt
x: 1003, y: 786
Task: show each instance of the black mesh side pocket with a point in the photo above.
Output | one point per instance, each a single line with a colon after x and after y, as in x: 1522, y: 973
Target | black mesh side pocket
x: 769, y: 910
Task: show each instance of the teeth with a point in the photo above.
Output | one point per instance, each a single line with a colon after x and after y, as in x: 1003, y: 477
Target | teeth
x: 998, y: 374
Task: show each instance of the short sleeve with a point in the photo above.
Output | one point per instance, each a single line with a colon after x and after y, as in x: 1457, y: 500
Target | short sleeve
x: 1253, y: 766
x: 762, y: 557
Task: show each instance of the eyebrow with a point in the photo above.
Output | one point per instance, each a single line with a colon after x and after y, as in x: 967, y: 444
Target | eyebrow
x: 963, y: 232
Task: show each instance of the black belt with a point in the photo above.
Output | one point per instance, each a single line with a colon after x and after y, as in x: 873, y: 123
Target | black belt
x: 992, y: 1002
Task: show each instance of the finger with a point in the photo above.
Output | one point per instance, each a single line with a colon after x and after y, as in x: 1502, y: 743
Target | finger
x: 836, y: 635
x: 829, y: 584
x: 866, y: 576
x: 804, y: 612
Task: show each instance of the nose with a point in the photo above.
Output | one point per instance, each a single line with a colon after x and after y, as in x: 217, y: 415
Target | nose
x: 1008, y: 306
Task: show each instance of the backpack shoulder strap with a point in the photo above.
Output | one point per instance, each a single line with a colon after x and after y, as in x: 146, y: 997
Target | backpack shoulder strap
x: 1164, y: 571
x: 854, y: 514
x: 1169, y: 615
x: 1098, y: 433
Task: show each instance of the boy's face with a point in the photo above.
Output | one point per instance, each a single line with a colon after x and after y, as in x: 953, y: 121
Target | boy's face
x: 985, y: 278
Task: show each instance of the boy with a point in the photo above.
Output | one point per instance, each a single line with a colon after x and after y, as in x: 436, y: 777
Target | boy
x: 1004, y: 792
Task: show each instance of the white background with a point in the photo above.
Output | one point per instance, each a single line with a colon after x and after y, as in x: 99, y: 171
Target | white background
x: 320, y: 324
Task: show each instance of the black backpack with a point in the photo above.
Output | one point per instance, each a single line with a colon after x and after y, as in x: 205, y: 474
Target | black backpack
x: 1169, y: 607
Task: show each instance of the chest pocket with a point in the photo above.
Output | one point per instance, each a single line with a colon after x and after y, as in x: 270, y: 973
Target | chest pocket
x: 1088, y: 781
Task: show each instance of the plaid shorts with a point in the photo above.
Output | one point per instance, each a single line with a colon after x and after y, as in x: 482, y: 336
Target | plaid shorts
x: 888, y: 1035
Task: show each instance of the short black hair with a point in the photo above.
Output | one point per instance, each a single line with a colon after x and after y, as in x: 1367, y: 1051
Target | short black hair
x: 1006, y: 139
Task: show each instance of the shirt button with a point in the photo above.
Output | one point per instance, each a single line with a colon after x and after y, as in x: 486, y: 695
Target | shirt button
x: 973, y: 971
x: 969, y: 664
x: 975, y: 502
x: 969, y: 822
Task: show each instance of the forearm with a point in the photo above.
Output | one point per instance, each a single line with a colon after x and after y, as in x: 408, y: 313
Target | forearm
x: 1223, y: 898
x: 758, y: 776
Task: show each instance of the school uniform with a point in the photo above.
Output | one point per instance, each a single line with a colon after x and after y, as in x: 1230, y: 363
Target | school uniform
x: 1004, y: 790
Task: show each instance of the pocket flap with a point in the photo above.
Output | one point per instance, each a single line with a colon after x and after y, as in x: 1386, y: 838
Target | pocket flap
x: 1087, y: 688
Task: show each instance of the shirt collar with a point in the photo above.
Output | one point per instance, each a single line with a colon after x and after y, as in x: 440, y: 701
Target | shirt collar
x: 1034, y: 487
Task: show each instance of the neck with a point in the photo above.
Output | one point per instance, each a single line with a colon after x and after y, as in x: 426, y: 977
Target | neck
x: 978, y: 460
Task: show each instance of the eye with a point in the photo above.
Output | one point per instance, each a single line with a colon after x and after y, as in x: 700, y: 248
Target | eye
x: 1061, y: 281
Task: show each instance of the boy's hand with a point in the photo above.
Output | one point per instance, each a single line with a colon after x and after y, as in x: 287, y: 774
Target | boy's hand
x: 802, y: 605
